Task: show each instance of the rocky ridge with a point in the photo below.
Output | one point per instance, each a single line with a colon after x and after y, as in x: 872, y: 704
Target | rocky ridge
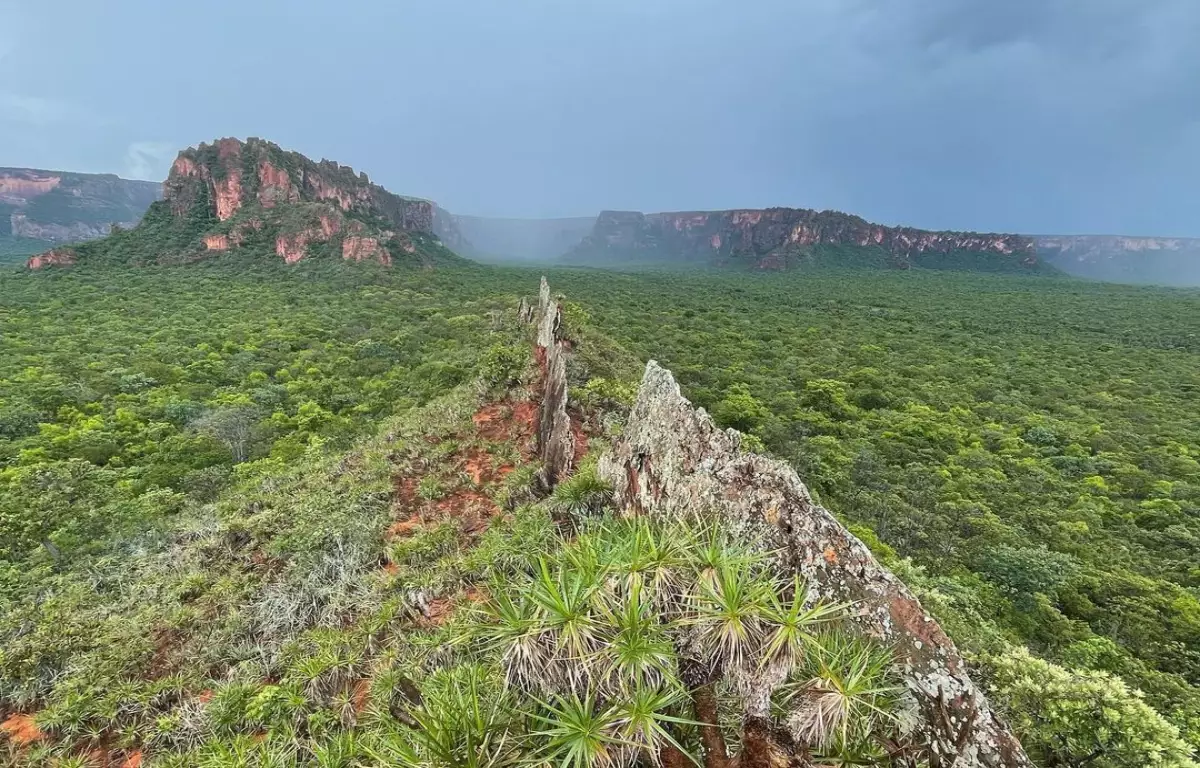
x: 776, y: 238
x: 671, y: 461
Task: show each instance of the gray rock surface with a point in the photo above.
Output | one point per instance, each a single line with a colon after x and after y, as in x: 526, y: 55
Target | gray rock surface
x: 555, y: 443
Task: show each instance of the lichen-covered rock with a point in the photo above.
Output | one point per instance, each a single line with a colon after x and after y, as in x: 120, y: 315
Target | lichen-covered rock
x: 673, y: 461
x: 555, y: 442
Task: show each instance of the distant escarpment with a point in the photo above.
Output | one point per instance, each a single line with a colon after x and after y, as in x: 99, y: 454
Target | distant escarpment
x: 1116, y: 258
x: 41, y: 209
x: 778, y: 238
x: 254, y: 197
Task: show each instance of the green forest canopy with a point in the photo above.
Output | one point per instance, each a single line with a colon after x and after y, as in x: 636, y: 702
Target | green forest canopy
x: 1023, y: 451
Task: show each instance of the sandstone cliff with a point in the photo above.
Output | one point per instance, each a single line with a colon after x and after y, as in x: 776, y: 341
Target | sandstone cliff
x: 672, y: 461
x: 60, y: 207
x: 254, y: 197
x: 1161, y: 260
x: 776, y: 238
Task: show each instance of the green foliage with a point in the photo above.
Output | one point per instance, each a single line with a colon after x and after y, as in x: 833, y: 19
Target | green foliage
x: 1033, y: 432
x: 1082, y: 718
x: 1018, y: 450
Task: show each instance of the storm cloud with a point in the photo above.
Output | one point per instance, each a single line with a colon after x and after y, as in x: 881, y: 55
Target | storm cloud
x: 1038, y: 116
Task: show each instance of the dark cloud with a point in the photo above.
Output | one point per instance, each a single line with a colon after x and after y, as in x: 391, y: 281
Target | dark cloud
x: 1026, y: 115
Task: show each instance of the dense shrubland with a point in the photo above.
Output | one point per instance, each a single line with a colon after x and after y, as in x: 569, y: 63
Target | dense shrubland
x: 224, y: 537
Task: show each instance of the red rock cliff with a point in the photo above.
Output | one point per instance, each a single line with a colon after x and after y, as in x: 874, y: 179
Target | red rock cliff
x: 769, y: 238
x: 230, y: 175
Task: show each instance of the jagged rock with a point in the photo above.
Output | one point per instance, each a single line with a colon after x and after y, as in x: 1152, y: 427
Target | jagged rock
x: 555, y: 443
x: 525, y: 311
x: 673, y: 461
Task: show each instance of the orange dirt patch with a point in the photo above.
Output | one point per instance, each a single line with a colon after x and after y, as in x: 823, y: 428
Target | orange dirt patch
x: 22, y: 730
x: 579, y: 439
x: 362, y: 695
x: 439, y: 610
x: 406, y: 490
x: 403, y: 529
x: 479, y: 466
x: 508, y: 421
x: 391, y: 569
x: 134, y: 760
x: 472, y: 508
x: 205, y: 696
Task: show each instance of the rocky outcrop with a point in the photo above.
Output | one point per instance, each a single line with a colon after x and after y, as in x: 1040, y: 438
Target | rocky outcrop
x: 774, y: 238
x: 357, y: 248
x: 216, y: 242
x: 218, y: 173
x: 61, y: 207
x: 58, y: 257
x: 555, y: 440
x: 235, y: 195
x: 1161, y: 260
x: 672, y: 461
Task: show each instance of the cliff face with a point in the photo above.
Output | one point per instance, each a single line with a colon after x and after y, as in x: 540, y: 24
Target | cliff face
x: 236, y: 195
x: 776, y: 238
x: 1161, y: 260
x: 62, y: 207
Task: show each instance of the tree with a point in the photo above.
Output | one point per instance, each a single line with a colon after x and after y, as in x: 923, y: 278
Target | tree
x: 235, y: 427
x: 1082, y: 719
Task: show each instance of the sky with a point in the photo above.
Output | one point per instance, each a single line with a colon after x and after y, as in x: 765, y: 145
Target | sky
x: 1032, y: 116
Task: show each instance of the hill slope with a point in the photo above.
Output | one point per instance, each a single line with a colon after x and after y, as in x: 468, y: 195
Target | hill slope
x: 253, y: 197
x: 777, y: 238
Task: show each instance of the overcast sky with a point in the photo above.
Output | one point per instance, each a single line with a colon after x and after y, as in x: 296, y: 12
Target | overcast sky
x: 1037, y: 116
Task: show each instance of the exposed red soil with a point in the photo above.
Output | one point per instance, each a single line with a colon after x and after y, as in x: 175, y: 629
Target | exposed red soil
x: 134, y: 760
x: 362, y: 695
x: 205, y: 696
x: 508, y: 421
x: 439, y: 610
x: 22, y: 730
x: 166, y: 642
x: 580, y: 439
x: 472, y: 508
x: 403, y: 529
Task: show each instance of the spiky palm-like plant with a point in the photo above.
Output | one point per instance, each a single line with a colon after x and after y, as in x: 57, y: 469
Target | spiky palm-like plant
x: 844, y: 695
x: 638, y: 653
x: 578, y: 732
x: 794, y: 626
x: 463, y: 722
x: 581, y: 496
x: 727, y: 612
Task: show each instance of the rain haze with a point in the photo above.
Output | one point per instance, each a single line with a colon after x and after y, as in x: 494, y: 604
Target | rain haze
x: 1026, y: 116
